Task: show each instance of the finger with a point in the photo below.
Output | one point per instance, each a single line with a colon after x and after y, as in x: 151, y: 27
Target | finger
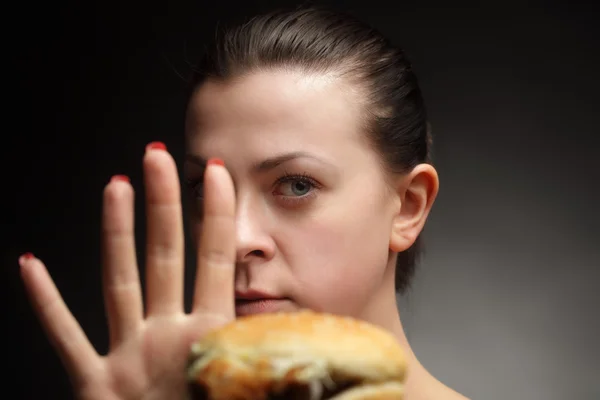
x: 214, y: 288
x: 164, y: 253
x: 64, y: 332
x: 122, y: 289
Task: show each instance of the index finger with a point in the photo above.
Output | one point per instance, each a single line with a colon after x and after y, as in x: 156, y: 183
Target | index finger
x: 214, y: 288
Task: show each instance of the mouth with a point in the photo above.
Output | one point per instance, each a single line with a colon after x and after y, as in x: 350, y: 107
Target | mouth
x: 258, y: 306
x: 249, y: 303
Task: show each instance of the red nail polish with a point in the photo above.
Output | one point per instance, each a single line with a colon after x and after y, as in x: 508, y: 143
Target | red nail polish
x: 28, y: 256
x: 215, y: 161
x: 156, y: 146
x: 123, y: 178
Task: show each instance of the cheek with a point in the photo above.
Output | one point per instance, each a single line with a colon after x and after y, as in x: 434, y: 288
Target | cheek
x: 338, y: 258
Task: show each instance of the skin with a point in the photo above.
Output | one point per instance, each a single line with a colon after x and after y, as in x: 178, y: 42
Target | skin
x: 293, y: 239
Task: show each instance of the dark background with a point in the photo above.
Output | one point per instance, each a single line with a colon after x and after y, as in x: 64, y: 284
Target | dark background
x: 505, y: 301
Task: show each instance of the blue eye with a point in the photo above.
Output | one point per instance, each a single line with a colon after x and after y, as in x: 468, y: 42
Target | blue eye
x: 296, y: 189
x: 299, y: 187
x: 195, y: 188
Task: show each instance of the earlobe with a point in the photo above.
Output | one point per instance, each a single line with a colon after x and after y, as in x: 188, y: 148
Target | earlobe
x: 417, y: 191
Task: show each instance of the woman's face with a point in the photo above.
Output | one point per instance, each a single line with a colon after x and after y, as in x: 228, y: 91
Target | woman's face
x: 314, y: 213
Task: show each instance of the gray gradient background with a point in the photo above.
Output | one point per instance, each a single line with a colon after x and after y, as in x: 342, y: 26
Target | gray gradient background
x: 503, y: 306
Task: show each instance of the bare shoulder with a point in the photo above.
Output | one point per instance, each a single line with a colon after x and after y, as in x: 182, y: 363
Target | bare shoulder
x: 429, y: 388
x: 453, y: 395
x: 443, y: 392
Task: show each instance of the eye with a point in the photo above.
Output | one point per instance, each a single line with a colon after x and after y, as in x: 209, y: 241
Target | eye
x: 294, y: 189
x: 297, y: 187
x: 195, y: 188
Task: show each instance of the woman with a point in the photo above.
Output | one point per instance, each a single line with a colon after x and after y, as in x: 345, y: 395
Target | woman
x: 307, y: 165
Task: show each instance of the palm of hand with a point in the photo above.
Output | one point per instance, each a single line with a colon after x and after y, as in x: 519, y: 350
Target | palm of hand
x: 149, y: 343
x: 151, y: 365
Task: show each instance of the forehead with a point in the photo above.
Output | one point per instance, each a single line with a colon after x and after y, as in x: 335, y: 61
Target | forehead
x: 275, y: 108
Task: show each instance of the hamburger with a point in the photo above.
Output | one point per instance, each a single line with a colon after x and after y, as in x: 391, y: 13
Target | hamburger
x: 297, y: 356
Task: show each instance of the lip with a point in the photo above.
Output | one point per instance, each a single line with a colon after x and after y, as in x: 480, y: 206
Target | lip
x: 259, y: 306
x: 254, y: 295
x: 249, y: 302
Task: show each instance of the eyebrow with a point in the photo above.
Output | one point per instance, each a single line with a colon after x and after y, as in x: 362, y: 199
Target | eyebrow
x: 265, y: 165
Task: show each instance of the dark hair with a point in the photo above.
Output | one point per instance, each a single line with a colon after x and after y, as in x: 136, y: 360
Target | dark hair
x: 316, y: 39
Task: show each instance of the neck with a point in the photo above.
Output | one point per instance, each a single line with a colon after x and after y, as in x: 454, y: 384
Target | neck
x: 419, y: 384
x: 382, y: 310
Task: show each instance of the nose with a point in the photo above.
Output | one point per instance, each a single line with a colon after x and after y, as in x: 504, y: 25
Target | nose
x: 253, y: 241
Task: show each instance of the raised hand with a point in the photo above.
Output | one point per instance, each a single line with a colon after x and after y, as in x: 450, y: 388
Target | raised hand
x: 149, y: 343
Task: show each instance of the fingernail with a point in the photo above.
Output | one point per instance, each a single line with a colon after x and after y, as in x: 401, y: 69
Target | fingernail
x: 122, y: 178
x: 25, y: 257
x: 215, y: 161
x: 156, y: 146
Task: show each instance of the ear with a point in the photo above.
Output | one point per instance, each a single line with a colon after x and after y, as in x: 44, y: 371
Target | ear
x: 417, y: 191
